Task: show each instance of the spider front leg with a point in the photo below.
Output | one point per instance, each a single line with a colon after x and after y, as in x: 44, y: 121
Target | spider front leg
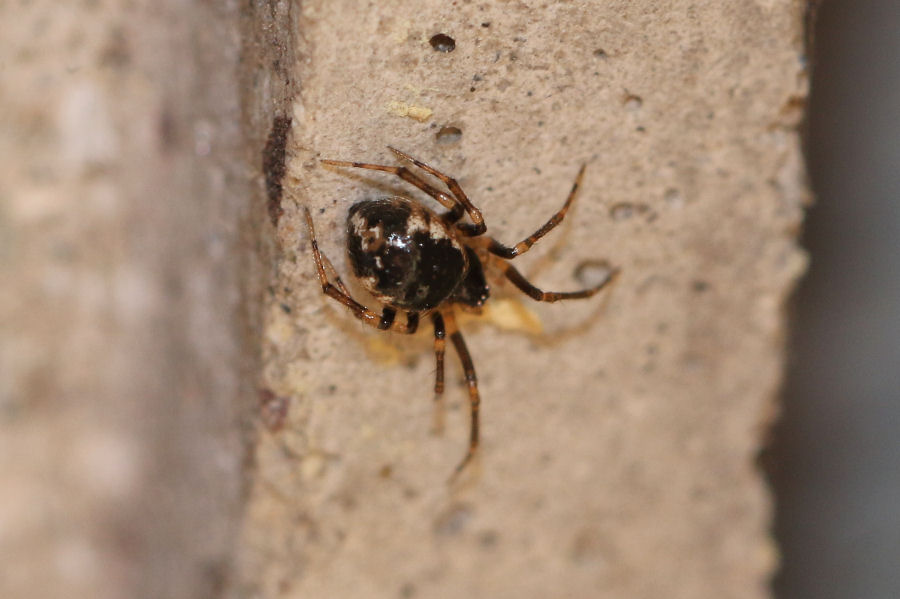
x: 534, y: 293
x: 523, y: 246
x: 457, y: 204
x: 478, y: 226
x: 338, y: 291
x: 456, y: 209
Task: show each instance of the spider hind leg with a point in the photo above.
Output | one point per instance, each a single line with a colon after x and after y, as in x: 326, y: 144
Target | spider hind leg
x: 338, y: 292
x: 471, y: 382
x: 519, y: 280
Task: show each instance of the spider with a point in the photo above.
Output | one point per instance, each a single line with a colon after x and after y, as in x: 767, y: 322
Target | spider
x: 421, y: 263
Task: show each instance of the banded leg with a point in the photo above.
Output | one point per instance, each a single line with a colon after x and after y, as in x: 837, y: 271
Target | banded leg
x: 550, y: 296
x: 456, y: 209
x: 477, y: 227
x: 471, y: 382
x: 523, y: 246
x: 332, y: 274
x: 439, y: 343
x: 338, y: 292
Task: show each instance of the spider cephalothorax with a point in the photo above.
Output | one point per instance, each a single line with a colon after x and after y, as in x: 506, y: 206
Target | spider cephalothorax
x: 420, y: 262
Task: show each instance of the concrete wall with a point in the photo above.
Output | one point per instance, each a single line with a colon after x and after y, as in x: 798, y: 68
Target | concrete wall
x: 162, y: 309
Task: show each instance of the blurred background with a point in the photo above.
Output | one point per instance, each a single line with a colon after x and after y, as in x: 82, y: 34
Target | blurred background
x: 835, y: 459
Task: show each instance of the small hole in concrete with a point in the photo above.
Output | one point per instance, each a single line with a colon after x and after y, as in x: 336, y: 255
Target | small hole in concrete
x: 453, y: 520
x: 600, y: 53
x: 633, y: 103
x: 621, y: 211
x: 488, y: 538
x: 591, y: 273
x: 442, y: 42
x: 588, y: 546
x: 273, y: 409
x: 673, y: 196
x: 448, y: 135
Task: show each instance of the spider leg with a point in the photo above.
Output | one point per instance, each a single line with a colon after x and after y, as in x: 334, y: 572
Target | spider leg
x: 439, y: 343
x: 470, y: 230
x: 456, y: 209
x: 332, y: 274
x: 471, y: 382
x: 523, y: 246
x: 550, y: 296
x: 338, y: 292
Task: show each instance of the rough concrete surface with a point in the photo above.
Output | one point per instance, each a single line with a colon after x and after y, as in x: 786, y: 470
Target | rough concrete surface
x: 619, y: 433
x: 151, y: 312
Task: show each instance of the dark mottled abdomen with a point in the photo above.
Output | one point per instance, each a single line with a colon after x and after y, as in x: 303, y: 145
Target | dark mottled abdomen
x: 403, y: 253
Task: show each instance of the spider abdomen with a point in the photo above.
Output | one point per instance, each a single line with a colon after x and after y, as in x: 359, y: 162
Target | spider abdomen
x: 403, y: 253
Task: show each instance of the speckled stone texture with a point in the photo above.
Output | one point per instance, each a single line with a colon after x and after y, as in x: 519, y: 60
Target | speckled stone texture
x: 619, y: 433
x: 183, y: 414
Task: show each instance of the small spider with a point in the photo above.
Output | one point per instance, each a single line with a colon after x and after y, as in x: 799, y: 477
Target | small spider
x: 416, y: 261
